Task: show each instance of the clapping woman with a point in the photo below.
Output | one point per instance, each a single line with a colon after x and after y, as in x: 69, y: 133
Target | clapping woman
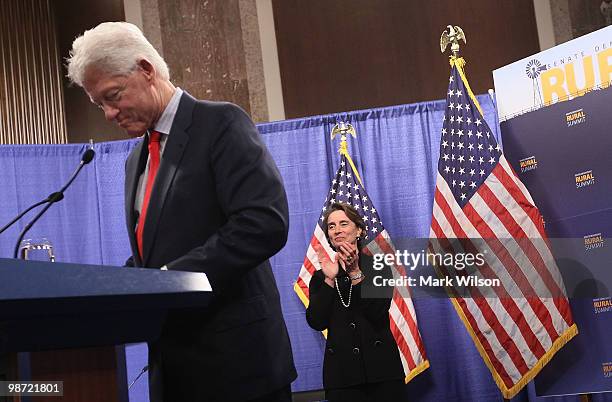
x: 361, y: 360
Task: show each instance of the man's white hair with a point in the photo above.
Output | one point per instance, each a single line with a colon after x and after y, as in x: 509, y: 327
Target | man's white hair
x: 113, y: 47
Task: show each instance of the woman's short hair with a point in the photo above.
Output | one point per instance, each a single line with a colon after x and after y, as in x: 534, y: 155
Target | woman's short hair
x: 113, y: 47
x: 350, y: 212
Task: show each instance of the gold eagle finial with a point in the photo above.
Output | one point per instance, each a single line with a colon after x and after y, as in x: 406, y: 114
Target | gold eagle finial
x: 453, y: 36
x: 343, y: 128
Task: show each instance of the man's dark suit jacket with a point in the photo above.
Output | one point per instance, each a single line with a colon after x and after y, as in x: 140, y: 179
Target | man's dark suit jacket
x: 218, y: 206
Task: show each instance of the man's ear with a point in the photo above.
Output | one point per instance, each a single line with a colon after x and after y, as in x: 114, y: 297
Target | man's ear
x: 147, y: 68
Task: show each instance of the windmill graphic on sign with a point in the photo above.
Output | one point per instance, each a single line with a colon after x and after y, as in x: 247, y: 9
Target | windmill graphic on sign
x: 533, y: 70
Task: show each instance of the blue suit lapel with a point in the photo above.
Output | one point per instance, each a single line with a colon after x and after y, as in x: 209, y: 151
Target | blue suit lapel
x: 169, y: 164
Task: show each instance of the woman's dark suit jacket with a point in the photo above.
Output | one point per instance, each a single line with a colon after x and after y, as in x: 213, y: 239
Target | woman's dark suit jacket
x: 360, y: 347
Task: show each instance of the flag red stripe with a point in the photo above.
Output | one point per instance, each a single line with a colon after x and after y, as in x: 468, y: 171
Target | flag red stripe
x: 535, y: 258
x: 486, y: 346
x: 309, y: 266
x: 520, y: 198
x: 412, y: 326
x: 560, y: 301
x: 517, y: 231
x: 304, y: 287
x: 314, y: 242
x: 402, y: 345
x: 538, y: 307
x: 398, y: 300
x: 504, y: 339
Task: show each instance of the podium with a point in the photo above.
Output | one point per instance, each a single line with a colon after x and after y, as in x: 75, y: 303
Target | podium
x: 52, y: 307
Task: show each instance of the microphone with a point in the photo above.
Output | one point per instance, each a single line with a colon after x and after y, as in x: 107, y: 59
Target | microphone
x: 58, y: 195
x: 51, y: 199
x: 88, y: 156
x: 85, y: 159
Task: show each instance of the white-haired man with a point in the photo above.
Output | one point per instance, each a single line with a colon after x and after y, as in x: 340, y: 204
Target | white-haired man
x: 202, y: 194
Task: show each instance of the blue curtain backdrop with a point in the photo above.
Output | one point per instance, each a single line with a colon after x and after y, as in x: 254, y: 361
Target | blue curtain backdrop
x: 396, y: 152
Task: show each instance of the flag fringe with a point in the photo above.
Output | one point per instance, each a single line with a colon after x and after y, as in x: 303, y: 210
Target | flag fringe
x: 417, y: 370
x: 300, y: 293
x: 509, y: 393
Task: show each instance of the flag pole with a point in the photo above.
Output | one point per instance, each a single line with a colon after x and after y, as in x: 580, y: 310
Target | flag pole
x: 343, y: 129
x: 452, y: 37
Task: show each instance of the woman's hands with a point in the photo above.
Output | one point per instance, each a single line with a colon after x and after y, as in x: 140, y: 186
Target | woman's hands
x: 329, y: 267
x: 347, y: 257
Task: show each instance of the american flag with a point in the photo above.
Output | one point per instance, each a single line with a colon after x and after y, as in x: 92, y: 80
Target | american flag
x: 347, y: 188
x: 478, y: 196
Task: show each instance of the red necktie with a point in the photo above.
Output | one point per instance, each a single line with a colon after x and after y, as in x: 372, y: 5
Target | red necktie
x: 153, y: 166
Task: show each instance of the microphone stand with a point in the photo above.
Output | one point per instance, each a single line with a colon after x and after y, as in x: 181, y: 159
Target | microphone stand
x: 22, y: 214
x: 28, y: 226
x: 52, y: 199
